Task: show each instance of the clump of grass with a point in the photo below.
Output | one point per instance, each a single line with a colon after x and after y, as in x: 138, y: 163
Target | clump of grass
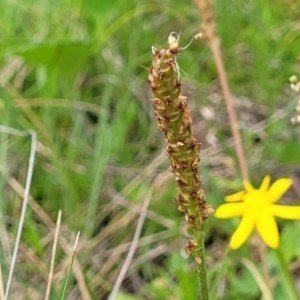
x: 95, y: 140
x: 6, y: 291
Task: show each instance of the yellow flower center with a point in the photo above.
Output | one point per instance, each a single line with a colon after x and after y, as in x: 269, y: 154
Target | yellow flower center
x: 254, y: 203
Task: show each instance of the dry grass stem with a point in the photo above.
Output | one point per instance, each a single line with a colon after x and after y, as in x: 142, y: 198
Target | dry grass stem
x: 47, y: 294
x: 146, y: 240
x: 73, y: 256
x: 76, y: 243
x: 62, y: 103
x: 78, y: 273
x: 132, y: 247
x: 1, y: 285
x: 208, y: 27
x: 32, y: 134
x: 263, y: 285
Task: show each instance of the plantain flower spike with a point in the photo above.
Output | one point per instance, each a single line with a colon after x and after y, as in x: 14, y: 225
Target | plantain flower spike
x: 257, y: 208
x: 174, y: 120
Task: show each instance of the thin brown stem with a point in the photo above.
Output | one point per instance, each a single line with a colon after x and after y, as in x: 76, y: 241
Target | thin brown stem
x: 262, y: 249
x: 217, y: 54
x: 208, y: 30
x: 54, y: 249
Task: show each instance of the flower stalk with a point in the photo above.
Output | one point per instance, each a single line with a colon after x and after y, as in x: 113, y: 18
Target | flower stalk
x: 287, y: 279
x: 174, y: 120
x: 208, y: 28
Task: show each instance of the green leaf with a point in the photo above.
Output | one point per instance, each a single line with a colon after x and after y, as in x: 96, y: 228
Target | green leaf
x: 32, y: 235
x: 97, y: 8
x: 187, y: 278
x: 66, y: 57
x: 121, y: 296
x: 285, y: 151
x: 290, y: 233
x: 288, y: 152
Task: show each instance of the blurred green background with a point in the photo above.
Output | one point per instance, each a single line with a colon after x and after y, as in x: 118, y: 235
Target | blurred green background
x: 76, y: 73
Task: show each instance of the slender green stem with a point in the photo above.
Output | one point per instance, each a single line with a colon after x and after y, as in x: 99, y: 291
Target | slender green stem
x: 66, y: 281
x: 201, y: 268
x: 287, y: 280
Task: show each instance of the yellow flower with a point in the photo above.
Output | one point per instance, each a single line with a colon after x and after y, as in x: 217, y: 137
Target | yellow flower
x: 257, y: 209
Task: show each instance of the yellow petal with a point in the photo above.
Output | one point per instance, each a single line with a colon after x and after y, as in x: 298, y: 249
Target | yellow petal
x: 235, y: 197
x: 242, y: 232
x: 265, y: 184
x: 285, y: 212
x: 248, y: 187
x: 268, y: 230
x: 229, y: 210
x: 277, y: 189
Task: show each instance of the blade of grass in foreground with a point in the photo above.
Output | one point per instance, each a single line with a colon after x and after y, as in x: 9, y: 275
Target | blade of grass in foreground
x: 47, y: 294
x: 63, y: 295
x: 1, y: 284
x: 25, y: 198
